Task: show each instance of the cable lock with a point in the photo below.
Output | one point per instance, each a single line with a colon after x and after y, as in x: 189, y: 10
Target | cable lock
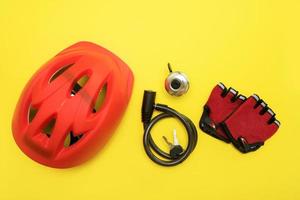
x: 177, y: 154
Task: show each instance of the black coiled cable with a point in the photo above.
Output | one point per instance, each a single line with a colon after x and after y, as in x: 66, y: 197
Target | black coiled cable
x: 147, y: 110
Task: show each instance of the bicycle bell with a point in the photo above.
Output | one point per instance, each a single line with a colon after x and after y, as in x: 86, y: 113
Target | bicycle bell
x: 177, y: 83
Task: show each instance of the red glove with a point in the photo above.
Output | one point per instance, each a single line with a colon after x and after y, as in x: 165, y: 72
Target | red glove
x: 220, y: 105
x: 251, y: 125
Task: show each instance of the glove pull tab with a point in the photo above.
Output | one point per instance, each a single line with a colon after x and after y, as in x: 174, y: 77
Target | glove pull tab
x: 244, y: 147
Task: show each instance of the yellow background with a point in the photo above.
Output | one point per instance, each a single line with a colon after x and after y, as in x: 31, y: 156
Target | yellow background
x: 250, y: 45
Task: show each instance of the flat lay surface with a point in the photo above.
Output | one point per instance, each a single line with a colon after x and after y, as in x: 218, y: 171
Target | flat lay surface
x: 252, y: 46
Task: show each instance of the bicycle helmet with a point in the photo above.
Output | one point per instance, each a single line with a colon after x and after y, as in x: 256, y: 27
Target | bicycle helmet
x: 71, y: 106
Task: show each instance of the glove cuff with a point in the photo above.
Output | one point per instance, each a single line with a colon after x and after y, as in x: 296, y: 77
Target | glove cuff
x: 209, y: 127
x: 241, y: 143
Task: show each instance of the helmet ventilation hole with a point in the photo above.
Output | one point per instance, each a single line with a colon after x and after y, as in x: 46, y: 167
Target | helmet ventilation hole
x: 59, y: 72
x: 71, y: 139
x: 100, y: 99
x: 31, y: 113
x: 48, y: 128
x: 78, y: 85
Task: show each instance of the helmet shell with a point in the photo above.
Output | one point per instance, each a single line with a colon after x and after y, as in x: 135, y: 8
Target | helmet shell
x: 54, y: 99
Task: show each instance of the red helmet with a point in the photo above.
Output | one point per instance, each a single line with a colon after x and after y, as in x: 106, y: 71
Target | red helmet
x: 71, y: 106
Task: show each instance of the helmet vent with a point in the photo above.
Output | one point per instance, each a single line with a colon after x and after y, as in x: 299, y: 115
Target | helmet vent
x: 59, y: 72
x: 71, y: 139
x: 48, y: 128
x: 100, y: 99
x: 31, y: 113
x: 78, y: 85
